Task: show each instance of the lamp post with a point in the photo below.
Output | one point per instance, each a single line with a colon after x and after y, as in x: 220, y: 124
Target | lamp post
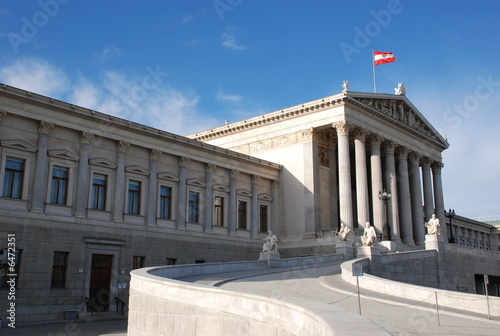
x: 450, y: 214
x: 384, y: 197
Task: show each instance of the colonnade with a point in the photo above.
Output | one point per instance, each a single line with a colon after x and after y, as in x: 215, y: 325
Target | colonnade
x: 406, y: 174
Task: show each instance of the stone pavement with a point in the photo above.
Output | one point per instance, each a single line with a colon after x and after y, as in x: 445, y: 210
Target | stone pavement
x: 77, y: 328
x: 323, y: 289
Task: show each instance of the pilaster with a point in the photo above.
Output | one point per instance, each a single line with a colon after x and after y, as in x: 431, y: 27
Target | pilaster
x: 41, y: 168
x: 182, y: 196
x: 154, y: 155
x: 119, y: 199
x: 82, y: 188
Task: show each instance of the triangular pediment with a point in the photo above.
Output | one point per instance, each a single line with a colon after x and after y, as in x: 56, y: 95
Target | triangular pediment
x: 196, y: 182
x: 168, y: 176
x: 102, y: 162
x: 136, y: 169
x: 243, y: 192
x: 399, y: 110
x: 265, y: 197
x: 19, y: 144
x: 63, y: 154
x: 221, y: 187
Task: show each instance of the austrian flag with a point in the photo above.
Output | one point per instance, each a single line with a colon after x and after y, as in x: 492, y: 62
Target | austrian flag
x: 380, y: 57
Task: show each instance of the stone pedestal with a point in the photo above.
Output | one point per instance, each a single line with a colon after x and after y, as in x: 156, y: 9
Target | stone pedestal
x: 388, y: 246
x: 368, y: 251
x: 273, y: 259
x: 434, y: 242
x: 345, y: 248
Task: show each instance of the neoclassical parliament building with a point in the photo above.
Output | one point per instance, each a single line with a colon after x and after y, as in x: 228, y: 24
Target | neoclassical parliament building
x: 87, y: 197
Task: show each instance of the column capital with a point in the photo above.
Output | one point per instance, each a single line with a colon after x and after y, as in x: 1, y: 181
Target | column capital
x: 332, y: 141
x: 122, y: 146
x: 390, y: 146
x: 414, y: 158
x: 275, y: 184
x: 45, y: 127
x: 184, y: 161
x: 375, y: 140
x: 234, y: 173
x: 342, y: 127
x: 154, y: 154
x: 403, y: 153
x: 426, y: 162
x: 360, y: 134
x: 436, y: 167
x: 210, y: 167
x: 256, y: 178
x: 86, y: 137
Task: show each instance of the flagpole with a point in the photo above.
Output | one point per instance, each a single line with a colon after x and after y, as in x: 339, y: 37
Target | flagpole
x: 374, y: 73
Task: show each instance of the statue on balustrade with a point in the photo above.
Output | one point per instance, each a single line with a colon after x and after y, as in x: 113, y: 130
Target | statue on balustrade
x: 433, y: 226
x: 344, y: 232
x: 369, y: 235
x: 270, y: 244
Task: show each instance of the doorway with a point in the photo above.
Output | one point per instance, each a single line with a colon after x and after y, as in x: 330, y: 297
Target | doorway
x: 100, y: 281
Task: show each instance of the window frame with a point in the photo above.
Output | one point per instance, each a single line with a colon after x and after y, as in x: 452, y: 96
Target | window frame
x: 95, y: 201
x: 197, y: 207
x: 160, y: 202
x: 222, y: 210
x: 240, y: 217
x: 55, y: 196
x: 11, y: 180
x: 138, y: 260
x: 139, y: 196
x: 62, y: 159
x: 22, y: 151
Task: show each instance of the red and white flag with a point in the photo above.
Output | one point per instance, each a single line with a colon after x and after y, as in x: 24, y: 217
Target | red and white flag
x: 380, y: 57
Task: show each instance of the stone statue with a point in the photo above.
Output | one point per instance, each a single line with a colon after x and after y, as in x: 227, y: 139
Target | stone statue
x: 400, y: 90
x: 433, y: 227
x: 345, y: 86
x: 270, y: 244
x: 369, y: 235
x: 344, y: 231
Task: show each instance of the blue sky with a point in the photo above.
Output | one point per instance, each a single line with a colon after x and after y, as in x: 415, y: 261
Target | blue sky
x: 187, y: 66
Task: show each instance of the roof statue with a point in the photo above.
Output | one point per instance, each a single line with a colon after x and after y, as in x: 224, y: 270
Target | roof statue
x: 400, y: 90
x: 345, y: 86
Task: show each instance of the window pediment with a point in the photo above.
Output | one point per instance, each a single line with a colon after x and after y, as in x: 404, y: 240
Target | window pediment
x: 243, y: 192
x: 19, y: 144
x: 221, y: 187
x: 265, y: 197
x: 168, y: 176
x: 102, y: 162
x: 63, y: 154
x: 136, y: 169
x: 196, y: 182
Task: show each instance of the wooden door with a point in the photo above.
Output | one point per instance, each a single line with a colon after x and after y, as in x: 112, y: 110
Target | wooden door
x: 100, y: 279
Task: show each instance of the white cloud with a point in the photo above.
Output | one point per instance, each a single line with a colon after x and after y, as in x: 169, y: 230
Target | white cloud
x: 187, y: 18
x: 229, y: 41
x: 229, y: 98
x: 108, y: 52
x: 125, y: 96
x: 36, y: 75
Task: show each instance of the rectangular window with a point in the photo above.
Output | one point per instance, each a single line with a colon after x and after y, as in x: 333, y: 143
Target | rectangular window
x: 138, y: 262
x: 13, y: 178
x: 59, y: 268
x: 59, y: 185
x: 134, y: 195
x: 98, y: 200
x: 165, y: 202
x: 219, y: 211
x: 193, y: 207
x: 170, y: 261
x: 242, y: 215
x: 263, y: 218
x: 12, y: 257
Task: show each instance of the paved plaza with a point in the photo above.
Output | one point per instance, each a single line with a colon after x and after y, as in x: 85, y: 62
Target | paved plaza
x: 320, y: 289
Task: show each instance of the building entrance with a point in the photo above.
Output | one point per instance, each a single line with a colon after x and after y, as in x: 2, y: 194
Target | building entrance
x: 100, y: 279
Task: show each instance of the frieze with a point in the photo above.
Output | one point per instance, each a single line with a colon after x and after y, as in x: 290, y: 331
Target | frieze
x: 400, y: 112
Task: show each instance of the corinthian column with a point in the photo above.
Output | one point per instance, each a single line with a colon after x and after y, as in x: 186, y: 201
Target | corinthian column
x: 377, y: 184
x: 404, y: 197
x: 416, y: 199
x: 390, y: 183
x: 82, y: 185
x: 427, y: 186
x: 152, y: 187
x: 345, y: 191
x: 438, y: 196
x: 40, y: 181
x: 361, y: 177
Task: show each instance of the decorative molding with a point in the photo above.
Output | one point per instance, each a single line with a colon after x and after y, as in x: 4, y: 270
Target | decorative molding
x: 154, y: 154
x: 196, y: 182
x: 360, y: 134
x: 389, y: 146
x: 168, y: 176
x: 276, y: 184
x: 136, y: 169
x: 86, y: 137
x: 426, y: 162
x: 122, y: 146
x: 102, y: 162
x: 375, y: 140
x: 437, y: 167
x: 402, y: 153
x: 342, y: 127
x: 332, y: 140
x: 45, y: 127
x: 63, y: 154
x: 221, y: 187
x: 265, y: 197
x: 244, y: 192
x: 19, y: 145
